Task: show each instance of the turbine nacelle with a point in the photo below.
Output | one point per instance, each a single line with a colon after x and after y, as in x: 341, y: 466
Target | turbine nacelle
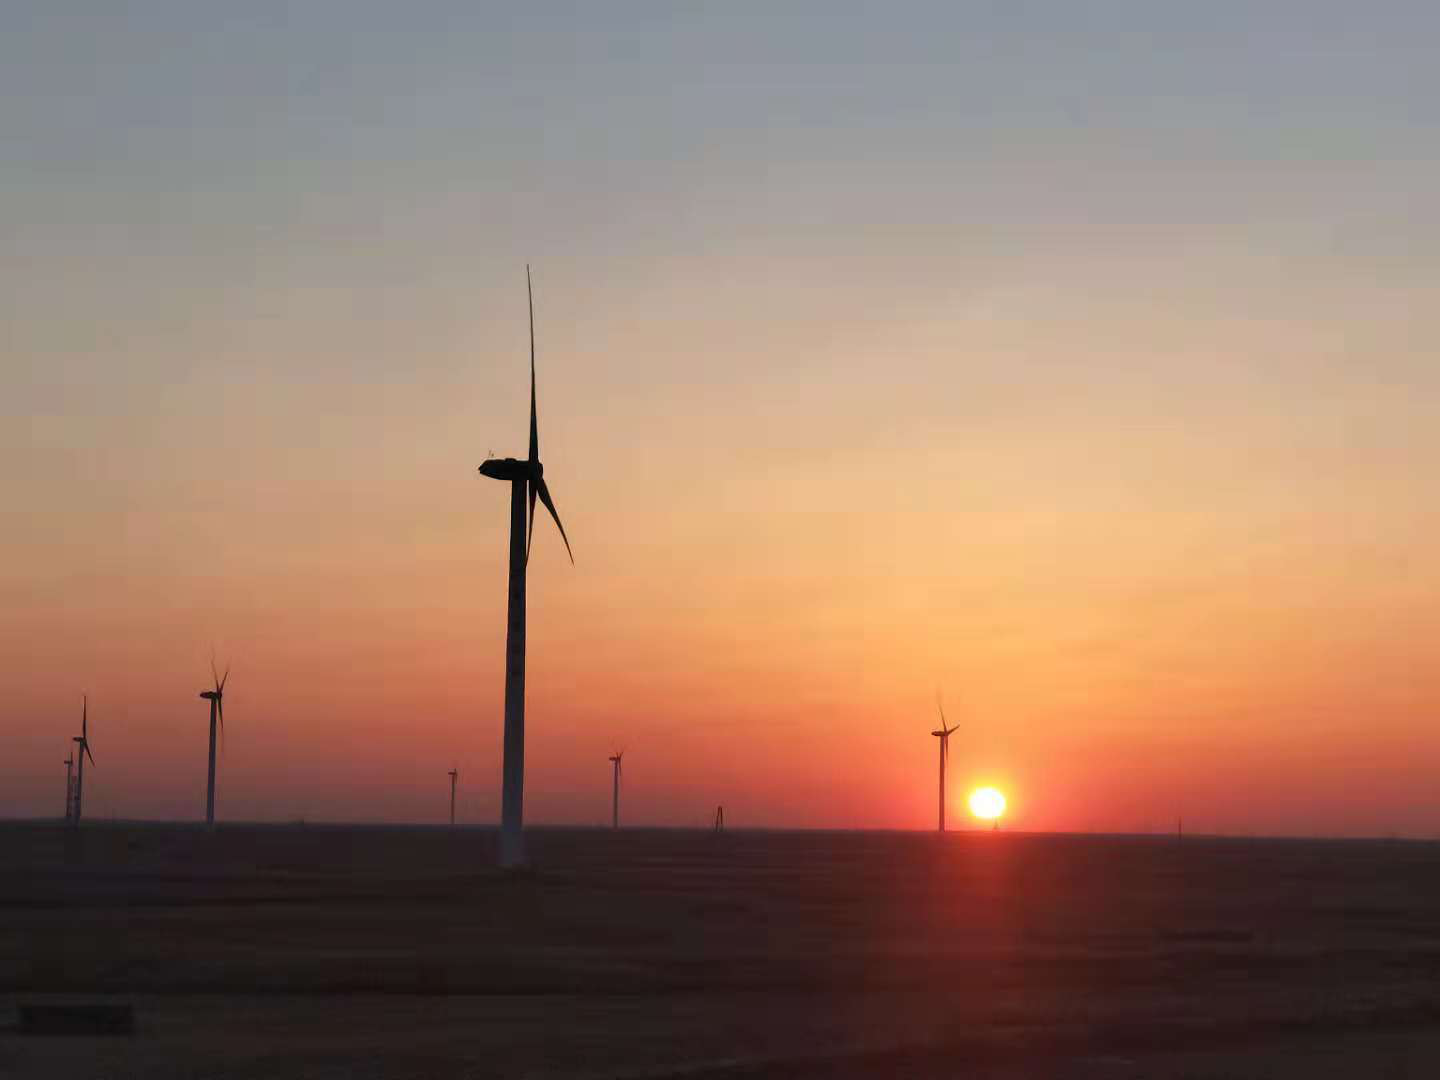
x: 511, y: 469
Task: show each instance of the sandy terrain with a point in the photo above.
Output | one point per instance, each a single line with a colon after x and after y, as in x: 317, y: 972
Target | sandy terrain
x: 398, y: 952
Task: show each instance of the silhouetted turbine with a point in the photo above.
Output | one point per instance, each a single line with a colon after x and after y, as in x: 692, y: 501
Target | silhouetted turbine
x: 944, y: 736
x: 527, y: 482
x: 615, y: 760
x: 82, y: 751
x: 69, y: 786
x: 216, y: 697
x: 454, y: 774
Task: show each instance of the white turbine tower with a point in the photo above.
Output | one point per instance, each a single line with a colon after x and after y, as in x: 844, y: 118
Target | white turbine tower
x: 527, y: 483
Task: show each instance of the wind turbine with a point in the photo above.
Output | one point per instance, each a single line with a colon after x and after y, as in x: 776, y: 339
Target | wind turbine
x: 615, y: 760
x: 527, y: 482
x: 216, y: 697
x: 69, y: 786
x: 454, y: 774
x: 944, y: 736
x: 82, y: 751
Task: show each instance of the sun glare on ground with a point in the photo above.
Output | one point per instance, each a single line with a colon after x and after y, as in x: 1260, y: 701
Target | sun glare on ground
x: 987, y: 804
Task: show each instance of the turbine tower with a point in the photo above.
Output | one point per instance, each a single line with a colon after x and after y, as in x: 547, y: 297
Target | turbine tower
x: 454, y: 774
x: 527, y: 482
x: 615, y: 760
x: 69, y: 786
x: 944, y: 736
x: 82, y: 751
x: 216, y: 697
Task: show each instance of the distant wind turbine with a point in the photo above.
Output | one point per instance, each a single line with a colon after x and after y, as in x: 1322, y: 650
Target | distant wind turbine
x: 216, y: 697
x: 454, y: 775
x: 944, y: 736
x: 527, y: 482
x: 615, y: 760
x: 69, y: 786
x: 82, y: 751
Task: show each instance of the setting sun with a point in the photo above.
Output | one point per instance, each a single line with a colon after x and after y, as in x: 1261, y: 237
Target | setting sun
x: 986, y: 803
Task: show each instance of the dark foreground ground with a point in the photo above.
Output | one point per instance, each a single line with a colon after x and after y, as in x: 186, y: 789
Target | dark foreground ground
x: 372, y: 952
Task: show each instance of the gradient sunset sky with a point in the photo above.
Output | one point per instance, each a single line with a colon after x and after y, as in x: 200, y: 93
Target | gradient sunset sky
x: 1080, y: 359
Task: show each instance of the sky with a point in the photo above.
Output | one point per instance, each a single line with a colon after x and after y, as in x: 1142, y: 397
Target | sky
x: 1075, y: 361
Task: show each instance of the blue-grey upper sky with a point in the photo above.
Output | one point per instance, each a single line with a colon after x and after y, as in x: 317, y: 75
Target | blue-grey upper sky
x: 189, y: 156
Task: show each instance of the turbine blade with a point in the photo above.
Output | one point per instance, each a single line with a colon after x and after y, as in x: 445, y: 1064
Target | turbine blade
x: 530, y: 533
x: 550, y: 505
x: 84, y: 714
x: 214, y: 675
x: 88, y: 754
x: 224, y: 677
x: 534, y: 422
x: 220, y: 712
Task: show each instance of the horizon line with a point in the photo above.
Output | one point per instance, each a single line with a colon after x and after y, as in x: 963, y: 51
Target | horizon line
x: 705, y: 828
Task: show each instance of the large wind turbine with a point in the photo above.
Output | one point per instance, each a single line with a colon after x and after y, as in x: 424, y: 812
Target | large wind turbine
x: 615, y: 760
x: 216, y: 697
x: 82, y: 751
x: 454, y: 775
x: 944, y: 736
x: 527, y: 482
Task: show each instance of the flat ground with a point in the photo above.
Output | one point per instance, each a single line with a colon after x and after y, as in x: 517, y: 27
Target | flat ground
x: 397, y: 952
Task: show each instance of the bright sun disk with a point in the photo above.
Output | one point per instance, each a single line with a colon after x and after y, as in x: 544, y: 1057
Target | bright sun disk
x: 986, y: 803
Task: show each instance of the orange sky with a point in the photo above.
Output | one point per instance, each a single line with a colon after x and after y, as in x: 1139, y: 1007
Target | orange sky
x: 1102, y: 402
